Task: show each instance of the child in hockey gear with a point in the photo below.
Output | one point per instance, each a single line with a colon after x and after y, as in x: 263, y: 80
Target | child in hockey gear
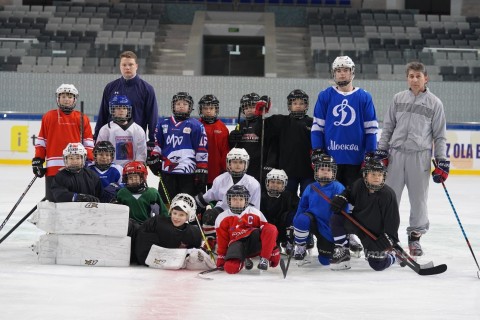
x: 167, y: 231
x: 237, y: 164
x: 345, y: 124
x: 74, y: 183
x: 58, y: 128
x: 279, y: 206
x: 181, y: 145
x: 217, y: 134
x: 284, y: 133
x: 407, y: 142
x: 110, y: 174
x: 144, y: 202
x: 313, y: 213
x: 375, y: 207
x: 140, y: 93
x: 248, y: 133
x: 243, y: 232
x: 127, y: 136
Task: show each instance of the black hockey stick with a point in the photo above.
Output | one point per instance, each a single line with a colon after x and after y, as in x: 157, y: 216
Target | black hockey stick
x: 20, y: 222
x: 18, y: 202
x: 459, y: 223
x: 290, y: 255
x: 424, y: 270
x: 202, y: 274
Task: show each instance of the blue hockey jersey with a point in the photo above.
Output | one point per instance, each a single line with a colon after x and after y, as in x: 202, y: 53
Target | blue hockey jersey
x: 345, y: 125
x: 183, y: 145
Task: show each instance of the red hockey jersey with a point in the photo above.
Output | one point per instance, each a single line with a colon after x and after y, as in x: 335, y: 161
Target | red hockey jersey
x: 217, y: 135
x: 56, y: 132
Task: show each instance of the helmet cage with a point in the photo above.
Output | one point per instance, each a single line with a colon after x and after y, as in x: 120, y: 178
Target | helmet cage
x: 103, y: 146
x: 186, y: 204
x: 294, y: 95
x: 238, y: 191
x: 186, y: 97
x: 208, y: 100
x: 374, y: 166
x: 135, y: 167
x: 325, y: 161
x: 279, y: 175
x: 249, y: 100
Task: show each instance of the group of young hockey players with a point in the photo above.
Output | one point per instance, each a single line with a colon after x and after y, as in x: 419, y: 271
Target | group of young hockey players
x: 272, y: 185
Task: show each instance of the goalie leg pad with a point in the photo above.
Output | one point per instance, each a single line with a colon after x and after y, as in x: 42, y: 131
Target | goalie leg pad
x: 163, y: 258
x: 198, y: 259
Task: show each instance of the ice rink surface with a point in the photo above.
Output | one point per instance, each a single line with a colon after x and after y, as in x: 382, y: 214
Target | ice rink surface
x: 31, y: 291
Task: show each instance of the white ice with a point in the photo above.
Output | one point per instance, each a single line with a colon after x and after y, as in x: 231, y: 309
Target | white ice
x: 29, y: 290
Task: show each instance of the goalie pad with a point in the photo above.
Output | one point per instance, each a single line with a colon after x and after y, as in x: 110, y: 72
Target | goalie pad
x: 82, y: 218
x: 174, y: 259
x: 83, y: 250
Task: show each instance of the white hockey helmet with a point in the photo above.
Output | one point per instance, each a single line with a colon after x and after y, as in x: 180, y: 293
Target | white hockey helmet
x: 74, y: 148
x: 66, y: 88
x: 276, y: 174
x: 343, y: 62
x: 186, y: 203
x: 238, y: 154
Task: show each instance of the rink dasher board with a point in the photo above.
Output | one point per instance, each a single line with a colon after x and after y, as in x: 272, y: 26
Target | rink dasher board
x: 82, y: 218
x: 84, y: 250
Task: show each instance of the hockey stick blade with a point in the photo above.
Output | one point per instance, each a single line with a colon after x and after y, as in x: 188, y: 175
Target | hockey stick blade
x: 432, y: 271
x: 201, y: 275
x: 284, y: 268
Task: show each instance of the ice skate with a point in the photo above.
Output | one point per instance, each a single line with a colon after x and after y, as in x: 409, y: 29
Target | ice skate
x: 414, y: 244
x: 248, y: 264
x: 263, y: 264
x: 356, y: 247
x: 300, y: 252
x: 340, y: 259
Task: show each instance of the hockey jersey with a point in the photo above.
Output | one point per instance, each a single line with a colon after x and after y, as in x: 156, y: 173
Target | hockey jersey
x: 221, y: 184
x: 57, y: 130
x: 182, y: 145
x: 231, y: 227
x: 112, y: 175
x: 217, y: 134
x: 315, y: 204
x: 141, y: 204
x: 66, y: 184
x: 345, y: 125
x: 129, y: 141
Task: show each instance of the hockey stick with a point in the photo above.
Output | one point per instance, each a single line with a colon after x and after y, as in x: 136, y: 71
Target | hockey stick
x: 290, y: 255
x: 459, y: 223
x: 237, y: 127
x: 201, y: 275
x: 209, y: 250
x: 423, y: 270
x: 18, y: 202
x: 20, y: 222
x: 165, y: 191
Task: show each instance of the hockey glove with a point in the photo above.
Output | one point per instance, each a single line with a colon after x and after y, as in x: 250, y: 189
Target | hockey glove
x: 263, y: 106
x: 150, y: 147
x: 220, y: 261
x: 440, y: 174
x: 80, y: 197
x: 381, y: 155
x: 338, y: 203
x: 211, y: 215
x: 316, y: 155
x: 154, y: 162
x: 200, y: 179
x: 109, y: 193
x: 37, y: 166
x: 275, y: 257
x: 235, y: 137
x: 384, y: 242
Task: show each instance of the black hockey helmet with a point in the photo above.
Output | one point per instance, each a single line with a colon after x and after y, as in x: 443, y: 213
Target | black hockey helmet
x: 186, y: 97
x: 248, y: 100
x: 103, y: 146
x: 373, y: 165
x: 208, y: 100
x: 324, y: 161
x: 294, y: 95
x: 238, y: 190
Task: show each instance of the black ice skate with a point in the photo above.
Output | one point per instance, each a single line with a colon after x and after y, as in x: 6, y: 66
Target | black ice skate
x: 263, y: 264
x: 356, y: 247
x: 340, y: 259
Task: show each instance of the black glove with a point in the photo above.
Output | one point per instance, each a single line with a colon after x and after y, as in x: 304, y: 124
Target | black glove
x: 154, y: 162
x: 235, y: 137
x: 338, y: 203
x: 384, y: 242
x: 109, y: 194
x: 316, y: 155
x: 80, y: 197
x: 200, y: 179
x: 150, y: 147
x: 440, y: 174
x: 381, y: 155
x: 37, y: 166
x: 211, y: 215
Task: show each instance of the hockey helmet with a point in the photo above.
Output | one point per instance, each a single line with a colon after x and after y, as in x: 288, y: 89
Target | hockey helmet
x: 294, y: 95
x: 237, y: 154
x: 324, y: 161
x: 185, y: 203
x: 135, y: 167
x: 185, y: 96
x: 279, y: 175
x: 74, y: 148
x: 208, y: 100
x: 66, y: 88
x: 100, y: 147
x: 238, y: 191
x: 343, y: 62
x: 120, y: 102
x: 373, y: 165
x: 248, y: 100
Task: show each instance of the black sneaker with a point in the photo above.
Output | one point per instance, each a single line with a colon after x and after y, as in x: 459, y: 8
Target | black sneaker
x: 414, y: 244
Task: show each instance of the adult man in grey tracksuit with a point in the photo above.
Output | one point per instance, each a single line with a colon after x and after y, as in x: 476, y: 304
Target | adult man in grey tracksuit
x: 413, y: 123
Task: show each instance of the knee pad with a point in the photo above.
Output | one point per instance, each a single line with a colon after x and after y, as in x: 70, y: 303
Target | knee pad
x: 233, y: 266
